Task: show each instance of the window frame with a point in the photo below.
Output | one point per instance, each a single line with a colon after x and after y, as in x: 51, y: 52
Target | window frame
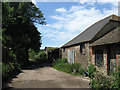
x: 82, y: 48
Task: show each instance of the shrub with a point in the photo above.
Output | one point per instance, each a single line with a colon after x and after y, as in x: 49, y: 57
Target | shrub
x: 59, y: 62
x: 63, y: 65
x: 32, y: 54
x: 9, y: 68
x: 64, y: 60
x: 98, y: 81
x: 91, y: 70
x: 117, y: 78
x: 106, y: 82
x: 102, y: 82
x: 42, y: 56
x: 77, y: 68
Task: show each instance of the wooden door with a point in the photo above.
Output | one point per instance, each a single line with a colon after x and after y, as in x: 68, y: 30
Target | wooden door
x: 71, y: 56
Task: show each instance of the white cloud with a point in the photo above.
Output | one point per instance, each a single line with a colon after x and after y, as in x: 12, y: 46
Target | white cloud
x: 48, y: 25
x: 61, y: 10
x: 33, y: 1
x: 79, y: 18
x: 77, y: 1
x: 92, y: 2
x: 73, y: 21
x: 105, y: 1
x: 84, y: 1
x: 57, y: 17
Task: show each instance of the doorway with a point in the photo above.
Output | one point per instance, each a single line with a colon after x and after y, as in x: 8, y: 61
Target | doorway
x: 99, y: 58
x: 108, y: 59
x: 71, y: 56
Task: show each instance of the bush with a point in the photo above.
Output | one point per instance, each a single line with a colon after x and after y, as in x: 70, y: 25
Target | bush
x: 63, y: 65
x: 98, y: 82
x: 42, y: 56
x: 106, y: 82
x: 64, y: 60
x: 117, y: 78
x: 9, y: 68
x: 102, y: 82
x: 60, y: 61
x: 77, y: 68
x: 91, y: 70
x: 32, y: 55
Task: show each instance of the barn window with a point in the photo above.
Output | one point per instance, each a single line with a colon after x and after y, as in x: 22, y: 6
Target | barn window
x: 99, y: 58
x: 82, y: 48
x: 63, y: 49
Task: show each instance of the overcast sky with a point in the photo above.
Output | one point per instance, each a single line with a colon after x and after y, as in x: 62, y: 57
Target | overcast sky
x: 65, y: 20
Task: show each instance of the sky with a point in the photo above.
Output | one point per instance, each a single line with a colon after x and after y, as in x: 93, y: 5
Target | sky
x: 65, y: 20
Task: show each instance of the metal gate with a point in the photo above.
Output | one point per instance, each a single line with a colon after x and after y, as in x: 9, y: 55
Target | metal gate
x: 71, y: 56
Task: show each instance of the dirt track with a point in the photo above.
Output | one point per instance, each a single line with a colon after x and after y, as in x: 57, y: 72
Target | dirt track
x: 48, y: 77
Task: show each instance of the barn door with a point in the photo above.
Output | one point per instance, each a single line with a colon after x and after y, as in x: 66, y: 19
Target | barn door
x: 71, y: 56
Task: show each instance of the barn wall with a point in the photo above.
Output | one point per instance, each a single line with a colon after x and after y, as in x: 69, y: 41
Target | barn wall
x: 82, y: 58
x: 102, y: 69
x: 114, y: 57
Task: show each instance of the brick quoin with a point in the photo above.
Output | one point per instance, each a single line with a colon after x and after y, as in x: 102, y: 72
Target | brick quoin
x: 103, y: 59
x: 117, y: 61
x: 106, y: 64
x: 94, y: 59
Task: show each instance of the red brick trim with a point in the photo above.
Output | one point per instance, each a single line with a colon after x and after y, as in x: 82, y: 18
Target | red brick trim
x: 106, y: 64
x: 117, y: 61
x: 94, y: 59
x: 103, y: 59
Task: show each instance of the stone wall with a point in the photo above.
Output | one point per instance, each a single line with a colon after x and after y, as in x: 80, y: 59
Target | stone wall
x: 82, y: 58
x: 114, y: 56
x: 104, y: 67
x: 88, y: 57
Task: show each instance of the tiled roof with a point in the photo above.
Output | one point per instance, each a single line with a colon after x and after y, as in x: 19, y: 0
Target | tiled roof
x: 109, y: 38
x: 90, y: 32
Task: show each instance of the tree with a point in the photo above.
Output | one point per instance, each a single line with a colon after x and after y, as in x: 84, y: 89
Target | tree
x: 19, y: 31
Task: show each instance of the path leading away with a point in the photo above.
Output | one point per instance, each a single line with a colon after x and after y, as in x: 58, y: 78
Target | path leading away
x: 47, y: 77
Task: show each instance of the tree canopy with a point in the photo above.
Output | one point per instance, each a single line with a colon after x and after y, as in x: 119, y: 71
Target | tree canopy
x: 18, y: 30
